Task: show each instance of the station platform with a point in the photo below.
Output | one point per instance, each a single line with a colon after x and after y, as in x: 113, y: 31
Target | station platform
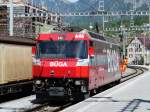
x: 130, y: 96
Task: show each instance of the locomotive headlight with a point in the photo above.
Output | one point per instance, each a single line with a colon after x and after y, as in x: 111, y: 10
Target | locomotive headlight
x: 78, y: 82
x: 38, y: 82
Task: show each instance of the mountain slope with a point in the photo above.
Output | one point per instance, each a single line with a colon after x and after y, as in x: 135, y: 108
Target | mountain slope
x: 91, y: 5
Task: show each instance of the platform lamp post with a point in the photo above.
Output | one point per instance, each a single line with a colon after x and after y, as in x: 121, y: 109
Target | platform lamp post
x: 121, y: 48
x: 11, y: 18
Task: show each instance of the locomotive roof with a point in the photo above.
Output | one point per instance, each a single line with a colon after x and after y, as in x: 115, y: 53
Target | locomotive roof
x: 99, y: 37
x: 90, y: 34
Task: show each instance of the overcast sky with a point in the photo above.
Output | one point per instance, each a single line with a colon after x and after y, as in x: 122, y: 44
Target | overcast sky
x: 72, y: 0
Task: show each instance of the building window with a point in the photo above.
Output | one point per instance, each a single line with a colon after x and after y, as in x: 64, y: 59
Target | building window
x: 136, y: 49
x: 130, y: 49
x: 134, y: 44
x: 140, y: 49
x: 27, y: 9
x: 130, y: 55
x: 139, y: 45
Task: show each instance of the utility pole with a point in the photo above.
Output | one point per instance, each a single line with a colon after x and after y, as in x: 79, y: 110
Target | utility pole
x: 101, y: 9
x: 123, y: 40
x: 149, y: 15
x: 132, y: 10
x: 11, y: 19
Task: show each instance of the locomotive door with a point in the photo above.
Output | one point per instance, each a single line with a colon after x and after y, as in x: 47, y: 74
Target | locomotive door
x: 92, y: 69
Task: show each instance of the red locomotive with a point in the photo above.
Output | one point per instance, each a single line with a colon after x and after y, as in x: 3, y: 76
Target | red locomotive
x: 71, y: 65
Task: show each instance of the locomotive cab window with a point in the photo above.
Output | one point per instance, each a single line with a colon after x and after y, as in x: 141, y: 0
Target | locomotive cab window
x: 63, y: 49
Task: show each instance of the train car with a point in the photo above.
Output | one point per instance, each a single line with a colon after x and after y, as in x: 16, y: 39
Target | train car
x: 15, y: 64
x: 72, y: 65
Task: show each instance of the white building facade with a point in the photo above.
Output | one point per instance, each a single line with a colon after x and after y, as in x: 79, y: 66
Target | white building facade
x: 138, y: 51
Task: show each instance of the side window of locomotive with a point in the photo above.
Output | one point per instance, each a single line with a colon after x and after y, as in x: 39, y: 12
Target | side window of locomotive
x: 83, y: 52
x: 99, y: 53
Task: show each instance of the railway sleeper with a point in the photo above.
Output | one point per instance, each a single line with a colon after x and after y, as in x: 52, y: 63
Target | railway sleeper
x: 15, y: 88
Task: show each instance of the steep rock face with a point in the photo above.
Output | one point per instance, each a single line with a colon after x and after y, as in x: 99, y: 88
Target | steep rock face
x: 91, y: 5
x: 139, y: 3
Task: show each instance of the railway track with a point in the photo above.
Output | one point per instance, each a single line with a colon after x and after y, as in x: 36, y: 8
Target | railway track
x: 137, y: 71
x: 30, y: 107
x: 48, y: 108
